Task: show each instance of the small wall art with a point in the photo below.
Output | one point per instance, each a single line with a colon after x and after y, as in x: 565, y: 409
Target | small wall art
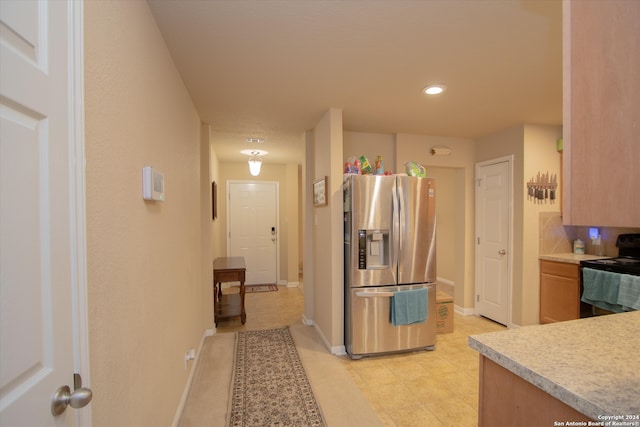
x: 320, y: 192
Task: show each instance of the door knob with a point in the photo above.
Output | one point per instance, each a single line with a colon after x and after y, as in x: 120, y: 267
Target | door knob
x: 79, y: 398
x: 502, y: 252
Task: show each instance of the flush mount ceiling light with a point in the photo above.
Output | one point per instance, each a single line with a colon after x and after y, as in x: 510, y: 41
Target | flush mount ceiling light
x: 255, y: 162
x: 434, y: 89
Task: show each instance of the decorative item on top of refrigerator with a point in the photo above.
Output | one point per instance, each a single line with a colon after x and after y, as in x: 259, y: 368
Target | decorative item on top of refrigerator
x: 362, y: 166
x: 379, y: 165
x: 389, y: 229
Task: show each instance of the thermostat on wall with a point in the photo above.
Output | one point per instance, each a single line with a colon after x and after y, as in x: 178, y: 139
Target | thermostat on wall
x: 152, y: 184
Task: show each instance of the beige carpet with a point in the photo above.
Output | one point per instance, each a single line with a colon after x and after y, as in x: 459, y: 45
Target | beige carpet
x: 339, y: 398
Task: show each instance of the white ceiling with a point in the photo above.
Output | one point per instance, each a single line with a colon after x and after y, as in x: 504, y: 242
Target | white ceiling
x: 271, y: 69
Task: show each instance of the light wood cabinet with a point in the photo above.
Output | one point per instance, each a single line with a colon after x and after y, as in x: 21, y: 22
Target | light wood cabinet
x: 601, y: 109
x: 559, y: 291
x: 505, y: 399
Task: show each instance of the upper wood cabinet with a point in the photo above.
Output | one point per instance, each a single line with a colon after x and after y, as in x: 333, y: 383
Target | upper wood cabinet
x: 601, y: 108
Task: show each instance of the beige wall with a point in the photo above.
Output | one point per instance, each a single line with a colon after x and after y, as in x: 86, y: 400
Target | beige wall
x: 308, y: 234
x: 540, y: 155
x: 212, y: 229
x: 144, y: 259
x: 418, y: 148
x: 371, y: 145
x: 291, y: 230
x: 446, y: 210
x: 325, y: 287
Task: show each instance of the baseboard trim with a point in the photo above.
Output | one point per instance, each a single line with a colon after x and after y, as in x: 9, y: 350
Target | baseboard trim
x: 445, y: 281
x: 464, y: 311
x: 306, y: 321
x: 338, y: 350
x: 187, y: 386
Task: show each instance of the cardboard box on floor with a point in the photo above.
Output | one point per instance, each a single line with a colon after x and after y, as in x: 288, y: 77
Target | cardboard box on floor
x: 444, y: 313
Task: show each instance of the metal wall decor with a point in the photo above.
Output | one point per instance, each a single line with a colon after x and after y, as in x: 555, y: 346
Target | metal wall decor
x: 542, y: 188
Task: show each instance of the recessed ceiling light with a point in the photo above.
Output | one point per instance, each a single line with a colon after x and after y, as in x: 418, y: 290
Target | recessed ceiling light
x: 434, y: 89
x: 256, y: 140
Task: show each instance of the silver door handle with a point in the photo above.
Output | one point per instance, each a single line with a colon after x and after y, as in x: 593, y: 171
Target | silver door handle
x: 374, y: 294
x: 502, y: 252
x: 79, y: 398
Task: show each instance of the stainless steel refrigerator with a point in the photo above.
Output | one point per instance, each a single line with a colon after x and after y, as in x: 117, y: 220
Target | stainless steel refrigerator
x: 390, y: 257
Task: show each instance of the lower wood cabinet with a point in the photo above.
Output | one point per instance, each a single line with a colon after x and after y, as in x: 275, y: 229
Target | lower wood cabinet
x: 559, y: 291
x: 505, y: 399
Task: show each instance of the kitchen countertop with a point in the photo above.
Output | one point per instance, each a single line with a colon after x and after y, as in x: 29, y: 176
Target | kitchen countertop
x: 591, y: 364
x: 570, y: 257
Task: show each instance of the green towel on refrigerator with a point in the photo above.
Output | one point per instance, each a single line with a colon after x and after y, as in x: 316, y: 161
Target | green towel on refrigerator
x: 408, y: 307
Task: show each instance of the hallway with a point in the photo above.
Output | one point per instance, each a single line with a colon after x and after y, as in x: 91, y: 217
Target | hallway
x: 266, y: 310
x: 438, y: 388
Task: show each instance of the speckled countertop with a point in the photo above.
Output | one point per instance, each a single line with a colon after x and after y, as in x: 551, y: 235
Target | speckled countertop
x: 570, y: 257
x: 592, y: 365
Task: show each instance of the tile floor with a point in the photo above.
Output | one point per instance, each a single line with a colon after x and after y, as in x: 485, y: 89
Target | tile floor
x: 438, y: 388
x: 266, y: 310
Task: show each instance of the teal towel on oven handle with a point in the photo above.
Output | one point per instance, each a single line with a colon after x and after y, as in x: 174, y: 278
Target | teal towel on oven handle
x: 629, y: 292
x: 611, y: 291
x: 408, y: 307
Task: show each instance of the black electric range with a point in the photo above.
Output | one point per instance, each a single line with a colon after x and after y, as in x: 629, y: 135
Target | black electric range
x: 627, y: 261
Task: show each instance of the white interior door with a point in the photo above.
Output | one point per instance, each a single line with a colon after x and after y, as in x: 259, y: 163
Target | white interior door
x: 41, y: 224
x: 253, y: 232
x: 493, y: 229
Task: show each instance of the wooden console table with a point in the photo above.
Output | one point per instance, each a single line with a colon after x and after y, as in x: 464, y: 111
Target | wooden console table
x: 228, y: 269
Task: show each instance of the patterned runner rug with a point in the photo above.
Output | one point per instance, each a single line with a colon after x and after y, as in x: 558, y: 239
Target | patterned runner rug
x: 260, y: 288
x: 270, y: 386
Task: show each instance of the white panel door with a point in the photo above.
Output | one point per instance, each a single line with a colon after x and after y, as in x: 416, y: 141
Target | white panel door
x: 493, y: 223
x: 252, y: 229
x: 39, y: 261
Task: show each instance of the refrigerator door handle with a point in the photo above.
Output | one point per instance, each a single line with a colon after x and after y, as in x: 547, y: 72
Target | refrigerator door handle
x: 396, y: 233
x: 401, y: 223
x: 374, y: 294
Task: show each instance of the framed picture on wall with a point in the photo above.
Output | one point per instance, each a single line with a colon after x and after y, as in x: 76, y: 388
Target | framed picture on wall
x: 214, y: 200
x: 320, y: 192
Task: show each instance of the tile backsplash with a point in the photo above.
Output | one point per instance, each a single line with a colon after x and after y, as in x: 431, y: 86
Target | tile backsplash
x: 556, y: 238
